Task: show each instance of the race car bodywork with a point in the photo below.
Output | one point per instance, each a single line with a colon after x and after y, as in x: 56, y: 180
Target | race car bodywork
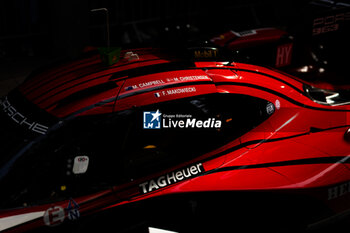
x: 83, y: 139
x: 263, y: 46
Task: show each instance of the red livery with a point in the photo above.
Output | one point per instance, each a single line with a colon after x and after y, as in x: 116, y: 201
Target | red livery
x: 197, y: 145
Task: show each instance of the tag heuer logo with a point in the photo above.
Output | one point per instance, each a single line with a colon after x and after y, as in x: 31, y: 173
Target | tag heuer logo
x: 152, y: 120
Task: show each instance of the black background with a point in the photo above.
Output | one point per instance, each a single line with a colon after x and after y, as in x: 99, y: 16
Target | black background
x: 66, y: 27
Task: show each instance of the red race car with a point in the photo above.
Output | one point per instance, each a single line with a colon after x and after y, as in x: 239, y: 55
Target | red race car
x: 159, y: 141
x: 266, y: 46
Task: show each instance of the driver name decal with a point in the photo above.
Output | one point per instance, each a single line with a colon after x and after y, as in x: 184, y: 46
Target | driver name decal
x: 171, y: 178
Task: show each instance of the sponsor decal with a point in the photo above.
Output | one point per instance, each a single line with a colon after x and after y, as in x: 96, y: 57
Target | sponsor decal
x: 205, y: 53
x: 73, y: 212
x: 329, y: 23
x: 171, y: 178
x: 21, y: 119
x: 81, y: 164
x: 54, y: 216
x: 278, y: 104
x: 284, y: 55
x: 270, y: 108
x: 338, y: 191
x: 157, y: 120
x: 244, y: 33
